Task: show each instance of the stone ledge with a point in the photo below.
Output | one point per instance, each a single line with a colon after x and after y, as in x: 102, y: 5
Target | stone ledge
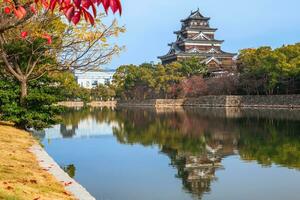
x: 275, y: 101
x: 48, y: 164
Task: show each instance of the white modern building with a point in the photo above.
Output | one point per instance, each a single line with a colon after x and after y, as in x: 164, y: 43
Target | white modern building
x: 90, y: 79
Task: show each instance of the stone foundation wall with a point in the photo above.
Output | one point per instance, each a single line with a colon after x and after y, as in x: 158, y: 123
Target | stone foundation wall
x: 133, y: 103
x: 102, y: 104
x: 75, y: 104
x: 274, y: 101
x: 71, y: 104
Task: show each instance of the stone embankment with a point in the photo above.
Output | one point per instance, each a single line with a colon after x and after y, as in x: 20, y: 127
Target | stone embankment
x: 272, y: 101
x: 47, y: 163
x: 79, y: 104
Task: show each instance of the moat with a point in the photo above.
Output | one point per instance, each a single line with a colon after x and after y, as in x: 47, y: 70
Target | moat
x: 182, y: 154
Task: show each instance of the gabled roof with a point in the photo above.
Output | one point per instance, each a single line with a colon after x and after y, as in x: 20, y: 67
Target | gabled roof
x: 194, y: 50
x: 201, y: 36
x: 174, y: 49
x: 195, y: 15
x: 213, y: 50
x: 208, y: 60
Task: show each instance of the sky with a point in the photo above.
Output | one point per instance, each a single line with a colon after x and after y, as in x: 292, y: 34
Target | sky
x: 241, y: 23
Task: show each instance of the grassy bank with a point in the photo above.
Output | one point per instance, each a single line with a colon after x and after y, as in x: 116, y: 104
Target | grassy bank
x: 21, y: 177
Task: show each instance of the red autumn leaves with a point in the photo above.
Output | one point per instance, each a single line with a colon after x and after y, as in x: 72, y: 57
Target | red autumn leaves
x: 7, y: 10
x: 19, y: 11
x: 24, y: 34
x: 45, y: 36
x: 74, y: 10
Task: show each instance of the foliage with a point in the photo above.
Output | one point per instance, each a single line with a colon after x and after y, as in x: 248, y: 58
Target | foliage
x: 38, y: 112
x: 194, y: 86
x: 268, y: 71
x: 155, y: 81
x: 103, y: 92
x: 36, y: 61
x: 35, y: 43
x: 261, y: 71
x: 70, y: 47
x: 19, y: 11
x: 223, y: 85
x: 192, y: 67
x: 68, y: 89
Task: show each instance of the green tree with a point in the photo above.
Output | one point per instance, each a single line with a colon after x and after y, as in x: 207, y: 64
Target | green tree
x: 155, y: 81
x: 268, y: 71
x: 103, y: 92
x: 69, y: 90
x: 38, y: 112
x: 193, y: 66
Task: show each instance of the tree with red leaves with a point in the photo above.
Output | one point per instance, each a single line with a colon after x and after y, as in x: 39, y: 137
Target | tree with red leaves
x: 194, y: 86
x: 31, y: 26
x: 74, y: 10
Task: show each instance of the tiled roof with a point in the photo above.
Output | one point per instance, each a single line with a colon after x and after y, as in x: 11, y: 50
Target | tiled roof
x: 195, y: 15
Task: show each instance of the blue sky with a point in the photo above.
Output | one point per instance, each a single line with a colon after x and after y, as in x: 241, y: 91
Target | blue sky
x: 241, y: 23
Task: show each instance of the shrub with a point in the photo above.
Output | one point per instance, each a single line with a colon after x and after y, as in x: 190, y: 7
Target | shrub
x: 39, y: 110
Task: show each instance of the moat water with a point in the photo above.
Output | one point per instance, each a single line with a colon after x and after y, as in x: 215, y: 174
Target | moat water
x: 182, y: 154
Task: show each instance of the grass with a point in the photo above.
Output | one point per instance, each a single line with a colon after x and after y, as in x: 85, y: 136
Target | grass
x: 21, y: 177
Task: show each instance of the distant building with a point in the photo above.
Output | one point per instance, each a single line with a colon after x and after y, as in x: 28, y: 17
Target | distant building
x: 91, y: 79
x: 197, y: 39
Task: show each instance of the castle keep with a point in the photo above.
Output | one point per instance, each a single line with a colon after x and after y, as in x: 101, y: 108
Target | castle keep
x: 197, y: 39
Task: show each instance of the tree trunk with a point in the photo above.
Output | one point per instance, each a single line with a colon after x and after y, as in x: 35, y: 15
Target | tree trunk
x: 24, y: 92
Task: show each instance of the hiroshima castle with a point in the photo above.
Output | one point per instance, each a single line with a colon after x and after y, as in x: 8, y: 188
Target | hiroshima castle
x: 197, y: 39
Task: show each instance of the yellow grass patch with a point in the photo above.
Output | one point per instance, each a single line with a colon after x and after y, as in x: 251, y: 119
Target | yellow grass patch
x: 21, y: 177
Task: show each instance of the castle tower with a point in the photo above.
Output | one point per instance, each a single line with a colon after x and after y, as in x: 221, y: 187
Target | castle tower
x: 197, y: 39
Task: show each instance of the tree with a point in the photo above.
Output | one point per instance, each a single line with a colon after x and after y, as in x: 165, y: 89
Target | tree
x: 68, y: 88
x: 18, y: 12
x: 194, y: 86
x: 103, y: 92
x: 123, y: 79
x: 35, y: 43
x: 269, y: 71
x: 80, y: 47
x: 138, y: 82
x: 169, y: 79
x: 222, y: 85
x: 38, y: 111
x: 148, y: 81
x: 192, y: 67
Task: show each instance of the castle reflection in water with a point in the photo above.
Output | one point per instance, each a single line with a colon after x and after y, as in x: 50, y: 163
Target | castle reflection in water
x: 196, y: 140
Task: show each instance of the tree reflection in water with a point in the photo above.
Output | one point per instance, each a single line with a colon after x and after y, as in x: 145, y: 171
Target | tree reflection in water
x: 70, y: 170
x: 196, y: 140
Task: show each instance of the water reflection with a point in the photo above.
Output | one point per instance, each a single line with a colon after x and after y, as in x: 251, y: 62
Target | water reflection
x: 197, y: 140
x: 70, y: 170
